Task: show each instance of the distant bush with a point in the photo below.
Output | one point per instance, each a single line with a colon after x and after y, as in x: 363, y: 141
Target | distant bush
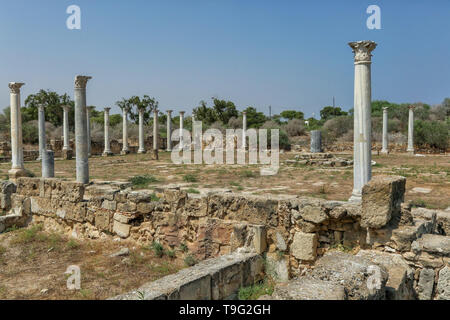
x: 284, y: 139
x: 431, y: 133
x: 336, y: 128
x: 235, y: 123
x: 295, y: 127
x: 30, y: 132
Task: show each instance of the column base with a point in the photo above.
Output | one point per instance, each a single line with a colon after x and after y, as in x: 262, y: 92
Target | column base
x: 409, y: 151
x: 169, y: 150
x: 356, y: 197
x: 107, y: 154
x: 142, y: 151
x: 17, y: 173
x: 67, y: 154
x: 123, y: 152
x: 384, y: 152
x: 155, y: 154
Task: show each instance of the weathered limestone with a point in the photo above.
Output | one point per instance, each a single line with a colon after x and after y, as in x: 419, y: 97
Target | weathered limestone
x: 316, y: 141
x: 141, y: 131
x: 181, y: 129
x: 88, y: 127
x: 107, y: 152
x: 381, y: 200
x: 213, y: 279
x: 362, y: 164
x: 353, y: 273
x: 304, y: 246
x: 67, y: 151
x: 443, y: 286
x: 48, y: 164
x: 307, y: 288
x: 411, y: 130
x: 385, y: 148
x: 155, y: 133
x: 125, y: 149
x: 41, y: 129
x: 426, y: 284
x: 17, y: 169
x: 81, y: 137
x: 169, y: 130
x: 244, y: 129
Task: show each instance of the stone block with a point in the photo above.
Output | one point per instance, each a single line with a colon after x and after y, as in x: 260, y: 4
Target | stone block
x: 443, y: 285
x: 103, y: 220
x: 426, y: 284
x: 126, y: 206
x: 381, y: 200
x: 109, y: 205
x: 304, y: 246
x: 309, y: 289
x: 29, y: 187
x: 121, y: 229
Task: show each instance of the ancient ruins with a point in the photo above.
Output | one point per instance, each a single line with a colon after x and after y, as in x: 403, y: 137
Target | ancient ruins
x: 238, y: 239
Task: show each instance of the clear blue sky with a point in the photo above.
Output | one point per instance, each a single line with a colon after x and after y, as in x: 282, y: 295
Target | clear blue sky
x: 288, y: 54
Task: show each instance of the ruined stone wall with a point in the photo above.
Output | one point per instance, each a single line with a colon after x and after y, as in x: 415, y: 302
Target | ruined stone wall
x: 292, y: 232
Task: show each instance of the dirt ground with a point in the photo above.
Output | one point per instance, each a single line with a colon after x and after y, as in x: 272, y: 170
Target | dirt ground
x: 33, y: 265
x: 428, y: 174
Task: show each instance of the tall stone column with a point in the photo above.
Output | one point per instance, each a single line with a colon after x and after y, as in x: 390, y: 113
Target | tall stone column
x: 155, y: 133
x: 169, y: 130
x: 41, y: 129
x: 66, y: 151
x: 107, y: 152
x: 17, y: 169
x: 411, y: 130
x: 181, y: 128
x: 141, y: 131
x: 125, y: 132
x: 81, y: 135
x: 66, y: 127
x: 88, y: 126
x: 362, y: 149
x: 385, y: 148
x: 244, y: 129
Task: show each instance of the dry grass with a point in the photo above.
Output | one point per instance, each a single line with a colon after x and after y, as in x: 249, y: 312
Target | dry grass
x: 330, y: 183
x: 33, y: 263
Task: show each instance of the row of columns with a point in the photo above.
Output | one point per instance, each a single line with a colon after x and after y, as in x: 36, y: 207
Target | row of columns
x: 385, y: 147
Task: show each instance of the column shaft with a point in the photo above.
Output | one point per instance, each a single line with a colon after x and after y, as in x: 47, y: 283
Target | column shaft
x: 411, y: 130
x: 81, y: 137
x: 66, y: 127
x: 107, y: 150
x: 41, y: 129
x: 17, y: 169
x: 169, y: 130
x: 244, y: 129
x: 181, y: 129
x: 141, y: 131
x: 362, y: 162
x: 125, y: 132
x: 385, y: 147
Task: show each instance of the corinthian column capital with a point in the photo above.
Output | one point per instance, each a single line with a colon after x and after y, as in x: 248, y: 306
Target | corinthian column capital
x: 411, y: 107
x: 14, y: 87
x: 81, y: 81
x: 363, y: 50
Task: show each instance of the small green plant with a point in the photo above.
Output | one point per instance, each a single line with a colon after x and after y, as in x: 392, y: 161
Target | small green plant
x: 341, y: 247
x: 184, y: 247
x: 192, y: 190
x: 158, y: 249
x: 142, y: 181
x: 170, y: 253
x: 255, y: 291
x: 190, y: 178
x: 12, y: 229
x: 29, y: 235
x: 72, y: 244
x: 248, y: 174
x: 190, y: 261
x: 154, y: 197
x: 418, y: 203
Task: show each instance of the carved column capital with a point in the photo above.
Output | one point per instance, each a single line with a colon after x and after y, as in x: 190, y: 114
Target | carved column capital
x: 411, y: 107
x: 81, y: 81
x: 14, y: 87
x: 107, y: 109
x: 363, y: 51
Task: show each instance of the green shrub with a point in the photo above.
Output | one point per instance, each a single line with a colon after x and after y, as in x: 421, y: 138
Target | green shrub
x: 190, y: 261
x: 431, y: 133
x: 158, y: 249
x: 255, y: 291
x: 190, y: 178
x: 142, y: 181
x: 192, y: 190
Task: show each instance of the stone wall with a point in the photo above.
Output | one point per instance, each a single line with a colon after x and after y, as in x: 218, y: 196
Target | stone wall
x: 213, y: 279
x: 293, y: 232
